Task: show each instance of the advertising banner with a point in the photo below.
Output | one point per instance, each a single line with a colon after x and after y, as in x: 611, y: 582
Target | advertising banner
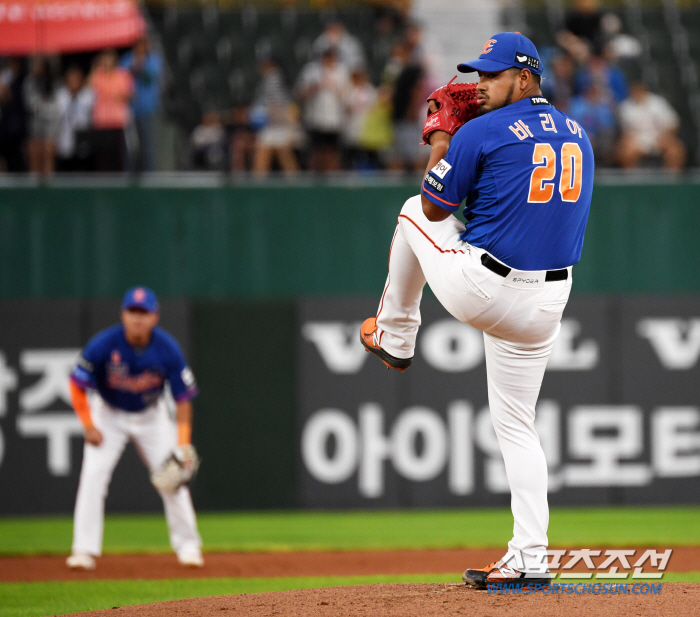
x: 618, y: 413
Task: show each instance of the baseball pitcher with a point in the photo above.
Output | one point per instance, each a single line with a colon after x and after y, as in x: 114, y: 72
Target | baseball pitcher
x: 125, y: 368
x: 525, y: 172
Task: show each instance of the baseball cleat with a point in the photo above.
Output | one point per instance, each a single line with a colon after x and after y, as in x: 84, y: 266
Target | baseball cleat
x: 81, y: 561
x: 191, y: 559
x: 368, y: 338
x: 500, y: 573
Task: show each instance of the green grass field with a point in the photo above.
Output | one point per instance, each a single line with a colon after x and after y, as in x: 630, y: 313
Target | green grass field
x: 299, y: 531
x: 292, y: 531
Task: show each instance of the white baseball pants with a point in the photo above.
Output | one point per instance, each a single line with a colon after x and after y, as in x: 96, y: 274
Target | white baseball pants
x: 520, y: 321
x: 154, y: 435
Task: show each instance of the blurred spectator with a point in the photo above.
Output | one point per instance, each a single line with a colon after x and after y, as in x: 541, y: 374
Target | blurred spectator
x: 348, y: 48
x: 114, y: 87
x: 242, y: 139
x: 40, y: 98
x: 280, y: 130
x: 209, y: 143
x: 409, y: 112
x: 619, y: 44
x: 558, y: 86
x: 359, y: 102
x: 590, y: 30
x: 578, y: 49
x: 595, y: 113
x: 75, y: 102
x: 146, y: 67
x: 585, y: 23
x: 387, y: 25
x: 377, y: 133
x: 397, y: 62
x: 609, y: 77
x: 322, y: 87
x: 407, y: 52
x: 649, y: 129
x: 413, y: 42
x: 13, y: 117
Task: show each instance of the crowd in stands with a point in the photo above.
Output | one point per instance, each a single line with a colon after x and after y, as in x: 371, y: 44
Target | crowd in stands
x: 332, y: 116
x: 629, y: 126
x: 74, y: 120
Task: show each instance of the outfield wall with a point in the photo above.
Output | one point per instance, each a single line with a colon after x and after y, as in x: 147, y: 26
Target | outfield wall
x: 294, y: 413
x: 265, y: 285
x: 271, y: 241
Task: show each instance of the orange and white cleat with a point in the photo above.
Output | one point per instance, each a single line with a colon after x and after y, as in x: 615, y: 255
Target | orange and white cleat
x: 369, y: 340
x: 500, y: 573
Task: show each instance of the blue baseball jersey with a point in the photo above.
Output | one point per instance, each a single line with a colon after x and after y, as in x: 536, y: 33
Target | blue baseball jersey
x: 526, y: 173
x: 131, y: 378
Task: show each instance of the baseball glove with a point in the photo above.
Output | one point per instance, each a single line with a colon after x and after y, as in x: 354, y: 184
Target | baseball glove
x: 179, y: 468
x: 456, y: 105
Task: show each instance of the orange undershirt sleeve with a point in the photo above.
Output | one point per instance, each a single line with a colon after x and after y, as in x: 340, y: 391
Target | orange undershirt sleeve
x: 80, y: 404
x: 184, y: 433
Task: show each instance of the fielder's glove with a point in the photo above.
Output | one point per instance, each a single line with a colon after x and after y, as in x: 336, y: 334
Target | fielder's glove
x: 456, y: 105
x: 179, y: 468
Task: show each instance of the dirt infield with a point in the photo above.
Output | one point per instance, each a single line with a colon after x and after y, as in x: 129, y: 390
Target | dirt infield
x: 311, y: 563
x: 424, y: 600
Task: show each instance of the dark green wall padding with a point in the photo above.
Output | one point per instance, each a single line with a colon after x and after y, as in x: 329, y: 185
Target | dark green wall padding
x: 244, y: 416
x: 279, y: 241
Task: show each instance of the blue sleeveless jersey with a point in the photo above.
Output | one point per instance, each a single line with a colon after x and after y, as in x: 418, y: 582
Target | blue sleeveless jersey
x: 132, y: 379
x: 526, y: 173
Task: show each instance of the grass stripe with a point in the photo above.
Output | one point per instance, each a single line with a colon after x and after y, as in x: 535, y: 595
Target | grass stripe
x: 294, y: 530
x: 39, y: 599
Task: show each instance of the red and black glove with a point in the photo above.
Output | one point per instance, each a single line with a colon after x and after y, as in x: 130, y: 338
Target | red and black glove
x: 456, y: 105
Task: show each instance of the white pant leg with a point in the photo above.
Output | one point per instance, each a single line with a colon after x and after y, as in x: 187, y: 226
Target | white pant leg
x: 421, y: 250
x: 155, y: 437
x: 398, y: 316
x: 95, y: 475
x: 519, y: 325
x: 515, y: 373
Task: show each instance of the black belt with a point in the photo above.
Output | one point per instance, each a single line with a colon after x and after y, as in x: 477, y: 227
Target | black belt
x: 498, y: 268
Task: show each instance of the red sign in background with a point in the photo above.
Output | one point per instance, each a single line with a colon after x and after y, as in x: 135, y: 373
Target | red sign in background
x: 53, y: 26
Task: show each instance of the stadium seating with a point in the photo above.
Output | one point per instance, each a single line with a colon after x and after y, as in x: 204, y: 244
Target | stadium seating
x: 669, y: 34
x: 212, y: 52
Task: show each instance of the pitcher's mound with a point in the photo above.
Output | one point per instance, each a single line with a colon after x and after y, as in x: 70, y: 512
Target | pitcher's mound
x: 401, y: 600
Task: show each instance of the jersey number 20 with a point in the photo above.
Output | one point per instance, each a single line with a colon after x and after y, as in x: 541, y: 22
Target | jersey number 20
x: 541, y: 180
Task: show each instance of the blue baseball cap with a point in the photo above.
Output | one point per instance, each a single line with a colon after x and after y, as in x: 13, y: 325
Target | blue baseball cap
x: 503, y: 51
x: 141, y: 298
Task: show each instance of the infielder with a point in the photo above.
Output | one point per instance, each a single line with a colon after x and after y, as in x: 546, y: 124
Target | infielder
x: 525, y: 170
x: 125, y: 368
